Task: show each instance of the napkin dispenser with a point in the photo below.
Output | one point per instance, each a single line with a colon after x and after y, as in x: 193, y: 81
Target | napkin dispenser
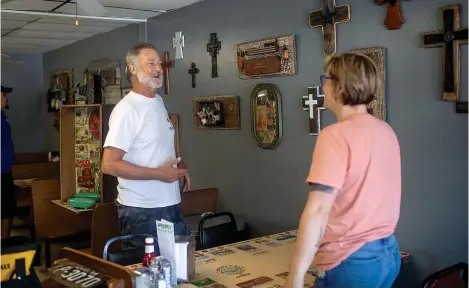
x: 184, y: 250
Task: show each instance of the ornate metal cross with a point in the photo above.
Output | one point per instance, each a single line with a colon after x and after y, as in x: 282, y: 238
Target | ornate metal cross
x: 327, y: 18
x: 194, y: 70
x: 450, y: 39
x: 212, y: 48
x: 166, y: 65
x: 394, y: 18
x: 178, y: 44
x: 314, y: 102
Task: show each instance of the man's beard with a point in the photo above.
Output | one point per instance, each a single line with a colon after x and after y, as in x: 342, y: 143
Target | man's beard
x: 7, y: 107
x: 148, y: 80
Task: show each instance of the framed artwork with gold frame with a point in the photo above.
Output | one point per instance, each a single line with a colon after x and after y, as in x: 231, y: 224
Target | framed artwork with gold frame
x: 266, y: 115
x: 378, y: 106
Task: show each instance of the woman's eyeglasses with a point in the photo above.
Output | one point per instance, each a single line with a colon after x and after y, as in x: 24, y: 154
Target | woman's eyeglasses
x: 323, y: 79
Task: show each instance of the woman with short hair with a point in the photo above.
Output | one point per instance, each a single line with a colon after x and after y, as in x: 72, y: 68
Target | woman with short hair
x: 347, y: 226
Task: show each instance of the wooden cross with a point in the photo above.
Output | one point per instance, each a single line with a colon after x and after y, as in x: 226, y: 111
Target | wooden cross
x: 178, y: 44
x: 314, y: 102
x: 166, y: 65
x: 194, y: 70
x: 450, y: 39
x: 393, y: 18
x: 212, y: 48
x: 327, y: 18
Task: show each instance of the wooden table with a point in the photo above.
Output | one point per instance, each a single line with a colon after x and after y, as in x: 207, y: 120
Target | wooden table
x: 246, y: 264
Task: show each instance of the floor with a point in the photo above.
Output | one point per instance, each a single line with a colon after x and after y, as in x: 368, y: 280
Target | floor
x: 19, y: 229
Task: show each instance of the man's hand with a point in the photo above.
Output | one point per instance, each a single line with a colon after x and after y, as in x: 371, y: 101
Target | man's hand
x: 169, y: 174
x: 184, y: 182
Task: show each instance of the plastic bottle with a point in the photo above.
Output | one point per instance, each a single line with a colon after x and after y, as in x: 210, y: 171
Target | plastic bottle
x: 149, y: 252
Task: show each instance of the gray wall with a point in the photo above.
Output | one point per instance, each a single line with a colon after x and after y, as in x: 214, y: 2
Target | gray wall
x: 266, y: 187
x: 28, y: 109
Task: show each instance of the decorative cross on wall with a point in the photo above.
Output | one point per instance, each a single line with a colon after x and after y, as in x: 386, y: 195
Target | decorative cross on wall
x: 314, y: 102
x: 212, y: 48
x: 194, y: 70
x: 327, y: 18
x: 178, y: 44
x: 166, y: 65
x: 394, y: 18
x: 450, y: 39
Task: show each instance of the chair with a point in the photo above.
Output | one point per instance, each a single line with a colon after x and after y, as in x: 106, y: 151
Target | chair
x: 128, y: 256
x: 104, y: 226
x: 218, y: 234
x: 454, y: 276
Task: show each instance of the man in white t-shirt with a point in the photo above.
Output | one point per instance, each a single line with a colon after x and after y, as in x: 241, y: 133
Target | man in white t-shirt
x: 139, y: 151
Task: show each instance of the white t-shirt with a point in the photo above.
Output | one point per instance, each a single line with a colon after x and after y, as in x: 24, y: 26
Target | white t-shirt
x: 142, y: 128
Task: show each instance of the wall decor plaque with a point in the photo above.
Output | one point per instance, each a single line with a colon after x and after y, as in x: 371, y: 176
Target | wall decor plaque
x: 377, y: 107
x: 266, y: 115
x: 217, y: 112
x: 269, y: 57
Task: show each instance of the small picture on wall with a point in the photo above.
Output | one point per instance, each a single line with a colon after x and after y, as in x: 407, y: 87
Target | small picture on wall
x: 125, y: 91
x: 211, y: 113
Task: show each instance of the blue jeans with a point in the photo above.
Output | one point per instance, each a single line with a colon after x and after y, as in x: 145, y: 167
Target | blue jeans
x: 375, y: 265
x: 136, y: 220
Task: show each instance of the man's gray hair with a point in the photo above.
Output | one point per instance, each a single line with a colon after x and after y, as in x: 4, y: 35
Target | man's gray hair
x: 132, y: 56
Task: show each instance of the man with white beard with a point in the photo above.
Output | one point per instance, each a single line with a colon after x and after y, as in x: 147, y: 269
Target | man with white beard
x: 139, y: 151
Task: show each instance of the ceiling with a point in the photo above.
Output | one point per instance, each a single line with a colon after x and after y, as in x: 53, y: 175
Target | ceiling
x: 33, y: 34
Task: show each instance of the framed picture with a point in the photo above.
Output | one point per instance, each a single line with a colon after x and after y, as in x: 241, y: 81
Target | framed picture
x: 125, y: 91
x: 217, y: 112
x: 378, y: 106
x: 266, y: 115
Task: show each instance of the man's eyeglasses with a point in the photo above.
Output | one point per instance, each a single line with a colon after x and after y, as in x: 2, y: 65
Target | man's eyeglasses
x: 323, y: 79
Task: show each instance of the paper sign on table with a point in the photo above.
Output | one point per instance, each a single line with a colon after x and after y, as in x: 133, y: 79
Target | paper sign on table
x: 165, y: 232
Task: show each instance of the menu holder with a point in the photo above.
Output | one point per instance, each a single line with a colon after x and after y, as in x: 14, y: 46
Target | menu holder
x: 166, y: 244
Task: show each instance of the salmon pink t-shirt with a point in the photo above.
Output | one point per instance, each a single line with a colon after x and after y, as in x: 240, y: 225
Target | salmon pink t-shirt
x: 360, y: 156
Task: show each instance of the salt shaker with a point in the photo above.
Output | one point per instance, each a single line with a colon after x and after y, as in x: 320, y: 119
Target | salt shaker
x: 161, y: 280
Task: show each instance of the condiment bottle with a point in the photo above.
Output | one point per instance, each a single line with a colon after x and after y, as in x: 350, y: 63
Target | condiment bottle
x: 149, y: 252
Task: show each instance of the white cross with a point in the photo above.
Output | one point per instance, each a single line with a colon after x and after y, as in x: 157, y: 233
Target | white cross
x: 311, y: 102
x: 178, y: 44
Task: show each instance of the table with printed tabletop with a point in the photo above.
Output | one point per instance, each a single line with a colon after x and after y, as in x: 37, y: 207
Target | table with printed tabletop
x: 260, y: 262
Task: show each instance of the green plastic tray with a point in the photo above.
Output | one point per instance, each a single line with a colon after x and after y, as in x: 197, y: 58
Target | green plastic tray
x: 81, y: 203
x: 87, y: 195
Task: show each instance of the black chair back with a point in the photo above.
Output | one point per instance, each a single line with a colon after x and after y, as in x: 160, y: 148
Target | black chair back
x: 128, y: 256
x: 220, y: 234
x: 454, y: 276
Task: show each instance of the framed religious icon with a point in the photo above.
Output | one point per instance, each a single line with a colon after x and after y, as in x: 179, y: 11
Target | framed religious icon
x: 217, y: 112
x: 266, y: 115
x: 378, y: 106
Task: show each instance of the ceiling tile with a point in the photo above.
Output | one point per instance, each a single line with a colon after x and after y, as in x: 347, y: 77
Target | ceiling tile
x: 86, y: 22
x: 12, y: 24
x: 47, y: 35
x: 35, y: 41
x: 10, y: 16
x: 151, y: 5
x: 39, y: 5
x: 111, y: 12
x: 66, y: 28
